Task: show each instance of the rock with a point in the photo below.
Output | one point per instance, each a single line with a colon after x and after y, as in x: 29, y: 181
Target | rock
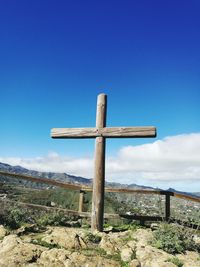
x: 68, y: 238
x: 134, y: 263
x: 33, y: 228
x: 196, y: 239
x: 161, y: 264
x: 3, y: 231
x: 55, y: 258
x: 126, y: 254
x: 108, y: 229
x: 74, y: 223
x: 190, y: 259
x: 151, y: 257
x: 154, y: 226
x: 112, y: 243
x: 143, y: 236
x: 78, y: 251
x: 63, y: 258
x: 13, y: 252
x: 84, y: 261
x: 79, y: 242
x: 52, y: 204
x: 132, y: 244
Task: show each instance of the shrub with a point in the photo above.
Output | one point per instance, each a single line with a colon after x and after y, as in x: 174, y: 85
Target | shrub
x: 175, y: 261
x: 15, y: 218
x: 173, y: 238
x: 56, y: 219
x: 52, y: 219
x: 93, y: 238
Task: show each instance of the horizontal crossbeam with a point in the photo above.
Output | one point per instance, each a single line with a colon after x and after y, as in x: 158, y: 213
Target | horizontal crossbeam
x: 112, y: 132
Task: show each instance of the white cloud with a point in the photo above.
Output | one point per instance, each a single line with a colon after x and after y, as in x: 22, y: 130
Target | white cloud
x: 173, y: 160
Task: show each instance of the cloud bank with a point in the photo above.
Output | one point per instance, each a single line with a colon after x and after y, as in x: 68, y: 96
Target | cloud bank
x: 171, y: 162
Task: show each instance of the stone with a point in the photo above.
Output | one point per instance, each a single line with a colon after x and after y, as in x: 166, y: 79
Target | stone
x: 74, y: 223
x: 77, y: 251
x: 53, y: 204
x: 190, y: 259
x: 150, y: 256
x: 112, y: 243
x: 68, y: 238
x: 161, y: 264
x: 29, y: 228
x: 196, y: 239
x: 132, y: 244
x: 154, y: 226
x: 98, y: 261
x: 55, y: 258
x: 13, y: 252
x: 63, y: 258
x: 134, y: 263
x: 3, y: 232
x: 79, y: 242
x: 126, y: 254
x: 143, y: 236
x: 108, y: 229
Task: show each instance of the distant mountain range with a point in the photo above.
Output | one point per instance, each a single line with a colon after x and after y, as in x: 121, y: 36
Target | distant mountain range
x: 67, y: 178
x: 63, y: 177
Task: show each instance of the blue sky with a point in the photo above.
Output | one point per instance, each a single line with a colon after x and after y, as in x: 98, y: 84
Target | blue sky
x: 57, y: 56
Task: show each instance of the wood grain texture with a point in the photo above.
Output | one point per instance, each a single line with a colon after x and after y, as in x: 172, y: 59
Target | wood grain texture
x: 195, y: 199
x: 81, y: 201
x: 125, y: 132
x: 167, y: 207
x: 74, y: 133
x: 108, y: 132
x: 99, y: 168
x: 101, y: 111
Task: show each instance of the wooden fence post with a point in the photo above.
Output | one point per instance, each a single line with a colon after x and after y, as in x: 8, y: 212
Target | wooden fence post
x: 167, y: 206
x: 81, y: 201
x: 99, y: 168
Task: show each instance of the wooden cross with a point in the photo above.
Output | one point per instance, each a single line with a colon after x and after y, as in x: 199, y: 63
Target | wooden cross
x: 101, y: 132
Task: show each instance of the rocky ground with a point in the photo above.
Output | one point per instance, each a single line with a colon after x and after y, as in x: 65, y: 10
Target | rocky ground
x: 74, y: 247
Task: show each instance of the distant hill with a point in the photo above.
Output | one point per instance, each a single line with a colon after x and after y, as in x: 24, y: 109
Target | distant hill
x: 67, y: 178
x: 63, y: 177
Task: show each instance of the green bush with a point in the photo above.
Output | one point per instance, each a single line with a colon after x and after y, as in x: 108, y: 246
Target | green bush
x: 55, y: 218
x: 15, y: 218
x: 93, y: 238
x: 52, y: 219
x: 175, y: 261
x: 173, y: 239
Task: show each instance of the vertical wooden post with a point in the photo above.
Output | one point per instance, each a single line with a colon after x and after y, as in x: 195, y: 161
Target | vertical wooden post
x: 81, y: 200
x: 167, y: 206
x: 99, y: 168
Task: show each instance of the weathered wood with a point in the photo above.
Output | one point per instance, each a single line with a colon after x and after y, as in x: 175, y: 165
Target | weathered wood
x: 46, y: 208
x: 109, y: 132
x: 167, y: 207
x: 99, y: 168
x: 74, y: 133
x: 130, y: 191
x: 101, y: 132
x: 125, y: 132
x: 106, y: 215
x: 81, y: 201
x: 89, y: 189
x: 195, y: 199
x: 141, y: 218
